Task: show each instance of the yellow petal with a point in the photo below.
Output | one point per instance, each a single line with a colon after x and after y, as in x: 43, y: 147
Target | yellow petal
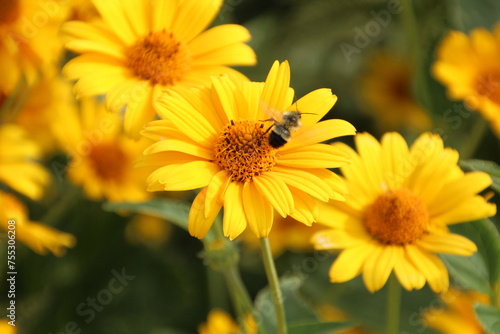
x: 193, y: 16
x: 234, y: 222
x: 378, y: 266
x: 430, y: 266
x: 409, y: 277
x: 259, y: 213
x: 180, y: 146
x: 316, y: 104
x: 447, y: 244
x: 349, y: 263
x: 163, y: 15
x: 112, y: 13
x: 140, y: 13
x: 320, y: 132
x: 456, y: 192
x: 314, y: 156
x: 471, y: 209
x: 395, y: 157
x: 276, y: 94
x: 215, y: 190
x: 306, y: 209
x: 337, y: 239
x: 199, y: 223
x: 276, y: 192
x: 191, y: 175
x: 139, y: 111
x: 307, y: 182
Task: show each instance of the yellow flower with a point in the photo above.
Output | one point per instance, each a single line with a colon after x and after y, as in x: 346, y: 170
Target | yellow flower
x: 45, y: 102
x: 386, y: 89
x: 141, y: 48
x: 458, y: 315
x: 219, y: 322
x: 28, y: 39
x: 148, y: 230
x: 102, y: 157
x: 395, y: 218
x: 18, y: 167
x: 285, y: 235
x: 469, y: 68
x: 40, y: 238
x: 218, y: 139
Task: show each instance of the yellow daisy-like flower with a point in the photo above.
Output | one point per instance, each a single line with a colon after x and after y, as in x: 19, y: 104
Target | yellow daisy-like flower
x: 395, y: 219
x: 37, y: 236
x: 386, y: 89
x: 102, y: 156
x: 28, y: 39
x: 141, y: 48
x: 218, y: 139
x: 468, y: 66
x: 458, y: 315
x: 19, y: 168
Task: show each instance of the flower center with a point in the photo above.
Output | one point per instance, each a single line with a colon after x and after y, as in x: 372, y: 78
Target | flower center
x: 9, y: 11
x: 159, y: 58
x: 488, y: 85
x: 397, y: 217
x: 243, y: 150
x: 109, y: 161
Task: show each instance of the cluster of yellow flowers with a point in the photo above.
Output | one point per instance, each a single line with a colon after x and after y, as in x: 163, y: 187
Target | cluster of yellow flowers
x: 159, y: 109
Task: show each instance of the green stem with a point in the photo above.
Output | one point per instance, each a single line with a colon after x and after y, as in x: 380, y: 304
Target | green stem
x: 239, y: 294
x: 474, y: 138
x: 274, y: 286
x: 393, y: 305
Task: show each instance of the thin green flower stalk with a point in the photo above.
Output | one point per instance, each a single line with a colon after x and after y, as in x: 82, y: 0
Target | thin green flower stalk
x: 393, y: 305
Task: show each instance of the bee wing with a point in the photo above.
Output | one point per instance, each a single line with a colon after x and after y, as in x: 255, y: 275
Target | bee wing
x: 270, y: 113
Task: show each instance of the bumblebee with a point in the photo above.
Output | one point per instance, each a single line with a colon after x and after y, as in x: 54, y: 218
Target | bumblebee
x: 281, y: 130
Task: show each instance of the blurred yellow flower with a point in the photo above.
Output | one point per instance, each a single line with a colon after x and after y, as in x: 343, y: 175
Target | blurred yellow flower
x: 396, y: 215
x: 386, y: 90
x: 141, y: 48
x: 330, y: 313
x: 5, y: 328
x: 219, y: 322
x: 39, y: 237
x: 28, y: 40
x: 457, y: 316
x: 19, y: 168
x: 43, y: 105
x: 217, y: 139
x: 102, y: 157
x: 148, y: 230
x: 469, y: 68
x: 286, y: 234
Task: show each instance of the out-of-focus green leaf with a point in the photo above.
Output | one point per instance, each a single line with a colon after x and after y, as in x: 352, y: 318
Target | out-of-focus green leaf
x: 480, y: 271
x: 296, y: 309
x: 174, y: 211
x: 488, y: 167
x: 489, y: 317
x: 320, y: 327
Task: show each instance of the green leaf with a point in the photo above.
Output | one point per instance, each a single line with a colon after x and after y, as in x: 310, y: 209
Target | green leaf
x: 174, y: 211
x: 320, y: 327
x: 489, y: 317
x: 488, y: 167
x: 487, y: 239
x: 468, y: 272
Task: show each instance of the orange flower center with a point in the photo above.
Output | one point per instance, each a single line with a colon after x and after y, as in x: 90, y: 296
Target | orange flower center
x: 159, y: 58
x: 109, y: 161
x: 488, y: 85
x: 397, y: 218
x: 9, y: 11
x: 243, y: 150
